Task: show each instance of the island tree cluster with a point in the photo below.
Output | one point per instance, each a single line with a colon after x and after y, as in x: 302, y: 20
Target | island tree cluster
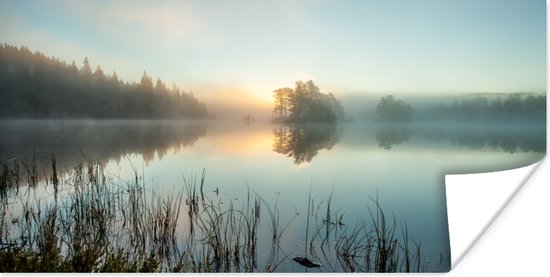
x: 391, y: 109
x: 33, y: 85
x: 305, y: 103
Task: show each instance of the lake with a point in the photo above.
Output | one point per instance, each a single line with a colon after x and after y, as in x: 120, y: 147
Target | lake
x: 402, y: 166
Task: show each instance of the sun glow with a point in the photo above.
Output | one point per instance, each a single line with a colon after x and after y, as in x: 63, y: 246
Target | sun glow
x: 236, y: 101
x: 242, y: 140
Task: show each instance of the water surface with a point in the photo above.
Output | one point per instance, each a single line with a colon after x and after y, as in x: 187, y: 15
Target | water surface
x: 403, y: 166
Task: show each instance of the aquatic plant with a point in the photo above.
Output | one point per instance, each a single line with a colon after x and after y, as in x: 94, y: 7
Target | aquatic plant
x: 97, y: 222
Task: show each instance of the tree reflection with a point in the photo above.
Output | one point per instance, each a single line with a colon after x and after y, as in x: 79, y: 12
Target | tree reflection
x: 507, y: 139
x: 509, y: 142
x: 302, y: 142
x: 71, y: 141
x: 388, y: 137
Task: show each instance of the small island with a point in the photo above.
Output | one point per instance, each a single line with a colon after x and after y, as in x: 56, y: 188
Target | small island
x: 306, y: 104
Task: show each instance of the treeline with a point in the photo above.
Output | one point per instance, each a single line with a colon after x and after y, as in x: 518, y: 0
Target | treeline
x: 306, y: 103
x: 33, y: 85
x: 519, y: 107
x: 514, y: 107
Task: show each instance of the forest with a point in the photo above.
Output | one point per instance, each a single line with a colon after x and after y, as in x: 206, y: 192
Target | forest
x: 498, y: 107
x: 495, y: 107
x: 33, y: 85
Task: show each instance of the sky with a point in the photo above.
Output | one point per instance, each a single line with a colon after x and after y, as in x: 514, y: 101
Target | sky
x: 243, y: 49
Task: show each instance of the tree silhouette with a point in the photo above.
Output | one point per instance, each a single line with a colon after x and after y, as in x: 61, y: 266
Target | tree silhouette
x: 146, y: 82
x: 160, y: 86
x: 99, y: 76
x: 281, y: 105
x: 305, y: 103
x: 391, y: 109
x: 86, y: 69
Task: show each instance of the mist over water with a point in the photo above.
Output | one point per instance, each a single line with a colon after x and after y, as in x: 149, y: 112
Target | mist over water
x: 71, y: 141
x: 402, y: 164
x: 106, y: 140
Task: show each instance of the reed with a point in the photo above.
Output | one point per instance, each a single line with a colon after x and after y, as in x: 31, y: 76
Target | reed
x: 367, y: 246
x: 98, y: 222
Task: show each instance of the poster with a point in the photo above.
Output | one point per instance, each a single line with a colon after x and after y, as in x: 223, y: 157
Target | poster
x: 276, y: 136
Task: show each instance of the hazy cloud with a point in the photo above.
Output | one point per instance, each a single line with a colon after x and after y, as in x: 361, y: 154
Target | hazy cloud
x: 162, y: 24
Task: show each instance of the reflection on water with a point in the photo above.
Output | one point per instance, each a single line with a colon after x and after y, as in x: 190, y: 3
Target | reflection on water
x: 73, y: 141
x: 504, y: 140
x: 510, y: 139
x: 388, y: 137
x: 403, y: 164
x: 302, y: 142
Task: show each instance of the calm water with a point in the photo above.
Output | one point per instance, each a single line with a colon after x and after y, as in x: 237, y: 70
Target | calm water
x: 402, y: 165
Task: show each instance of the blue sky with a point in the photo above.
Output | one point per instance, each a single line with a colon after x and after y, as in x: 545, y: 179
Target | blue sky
x: 218, y: 48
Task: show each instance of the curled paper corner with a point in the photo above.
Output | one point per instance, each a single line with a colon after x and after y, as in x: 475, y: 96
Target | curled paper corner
x: 475, y: 200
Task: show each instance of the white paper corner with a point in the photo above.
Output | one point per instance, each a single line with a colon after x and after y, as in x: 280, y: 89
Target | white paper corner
x: 475, y: 200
